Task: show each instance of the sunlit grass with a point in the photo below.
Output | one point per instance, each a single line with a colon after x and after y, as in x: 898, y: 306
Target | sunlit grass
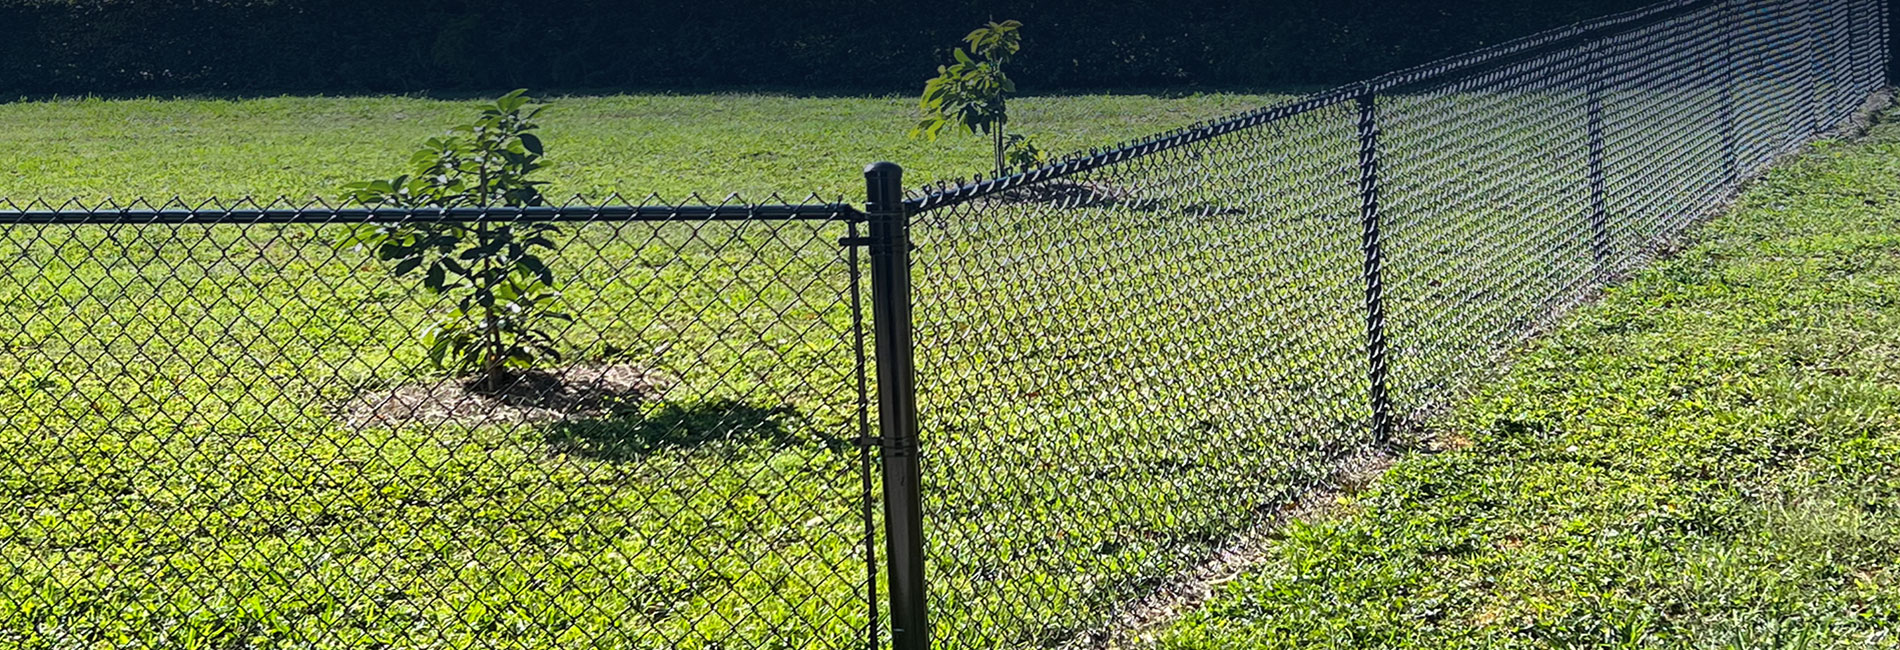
x: 1706, y: 459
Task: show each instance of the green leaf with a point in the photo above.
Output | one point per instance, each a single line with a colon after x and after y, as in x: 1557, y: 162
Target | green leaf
x: 534, y: 265
x: 407, y: 264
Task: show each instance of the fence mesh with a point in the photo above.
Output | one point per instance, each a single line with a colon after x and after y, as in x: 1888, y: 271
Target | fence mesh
x: 224, y: 428
x: 1096, y: 358
x: 1130, y: 360
x: 225, y: 433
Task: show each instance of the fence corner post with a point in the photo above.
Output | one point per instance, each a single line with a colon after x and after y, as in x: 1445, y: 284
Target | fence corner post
x: 1371, y: 244
x: 897, y: 405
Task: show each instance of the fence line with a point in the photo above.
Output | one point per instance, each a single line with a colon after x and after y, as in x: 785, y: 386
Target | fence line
x: 1072, y: 384
x: 322, y: 213
x: 1173, y: 338
x: 1453, y: 67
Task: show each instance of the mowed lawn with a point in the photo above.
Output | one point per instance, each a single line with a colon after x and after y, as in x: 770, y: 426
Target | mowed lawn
x: 184, y: 469
x: 1709, y: 458
x: 634, y: 145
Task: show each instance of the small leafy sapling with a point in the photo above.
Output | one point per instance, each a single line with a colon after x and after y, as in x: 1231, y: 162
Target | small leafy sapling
x: 505, y: 297
x: 973, y: 94
x: 1021, y: 152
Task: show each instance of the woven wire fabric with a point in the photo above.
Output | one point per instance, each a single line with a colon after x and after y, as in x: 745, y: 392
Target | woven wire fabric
x: 1130, y: 360
x: 1100, y: 359
x: 226, y: 433
x: 223, y: 428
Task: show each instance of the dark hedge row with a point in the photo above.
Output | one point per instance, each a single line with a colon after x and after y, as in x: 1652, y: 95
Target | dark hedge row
x: 67, y: 46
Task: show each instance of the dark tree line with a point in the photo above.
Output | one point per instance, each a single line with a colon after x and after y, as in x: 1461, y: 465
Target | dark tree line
x: 67, y: 46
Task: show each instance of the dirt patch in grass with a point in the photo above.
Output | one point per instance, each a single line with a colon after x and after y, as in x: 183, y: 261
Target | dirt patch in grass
x: 1136, y: 622
x: 558, y: 395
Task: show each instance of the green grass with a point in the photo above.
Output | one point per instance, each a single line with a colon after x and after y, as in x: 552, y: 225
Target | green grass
x: 1108, y: 391
x: 749, y: 144
x: 1705, y: 459
x: 178, y: 474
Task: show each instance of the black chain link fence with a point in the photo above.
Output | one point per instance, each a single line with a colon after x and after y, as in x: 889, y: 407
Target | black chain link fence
x: 1130, y: 362
x: 222, y: 431
x: 222, y: 428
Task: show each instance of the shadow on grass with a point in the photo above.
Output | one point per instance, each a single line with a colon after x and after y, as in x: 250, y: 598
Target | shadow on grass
x: 632, y: 436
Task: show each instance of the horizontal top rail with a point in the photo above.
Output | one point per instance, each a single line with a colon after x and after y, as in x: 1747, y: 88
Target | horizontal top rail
x: 319, y: 214
x: 1448, y: 69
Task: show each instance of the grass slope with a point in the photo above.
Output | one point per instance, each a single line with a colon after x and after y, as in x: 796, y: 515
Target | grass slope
x: 1709, y: 458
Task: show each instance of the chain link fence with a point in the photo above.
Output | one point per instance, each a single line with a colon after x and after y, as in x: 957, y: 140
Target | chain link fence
x: 1132, y: 361
x: 1015, y: 412
x: 223, y: 431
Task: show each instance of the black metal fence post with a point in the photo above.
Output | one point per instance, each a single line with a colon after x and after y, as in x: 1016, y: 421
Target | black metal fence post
x: 1730, y: 158
x: 1815, y: 125
x: 897, y: 405
x: 1599, y: 210
x: 1883, y: 44
x: 1374, y: 267
x: 1853, y: 56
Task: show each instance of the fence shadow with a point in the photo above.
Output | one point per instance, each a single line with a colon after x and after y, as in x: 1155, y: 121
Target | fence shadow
x: 632, y: 436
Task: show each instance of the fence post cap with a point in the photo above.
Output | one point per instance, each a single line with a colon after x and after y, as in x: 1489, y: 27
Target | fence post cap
x: 882, y: 167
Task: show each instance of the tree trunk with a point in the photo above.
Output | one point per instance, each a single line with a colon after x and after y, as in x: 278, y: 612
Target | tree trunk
x: 1000, y: 168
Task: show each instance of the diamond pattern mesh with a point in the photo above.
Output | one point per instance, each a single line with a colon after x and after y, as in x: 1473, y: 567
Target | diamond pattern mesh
x: 222, y: 428
x: 225, y: 434
x: 1132, y: 359
x: 1096, y: 356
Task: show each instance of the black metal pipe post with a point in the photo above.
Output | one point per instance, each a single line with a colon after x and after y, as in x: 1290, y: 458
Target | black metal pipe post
x: 1883, y: 44
x: 897, y: 404
x: 1599, y: 211
x: 1374, y: 267
x: 1853, y: 58
x: 1730, y: 159
x: 1815, y: 120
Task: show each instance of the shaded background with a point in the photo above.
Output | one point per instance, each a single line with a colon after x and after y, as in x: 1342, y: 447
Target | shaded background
x: 116, y: 46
